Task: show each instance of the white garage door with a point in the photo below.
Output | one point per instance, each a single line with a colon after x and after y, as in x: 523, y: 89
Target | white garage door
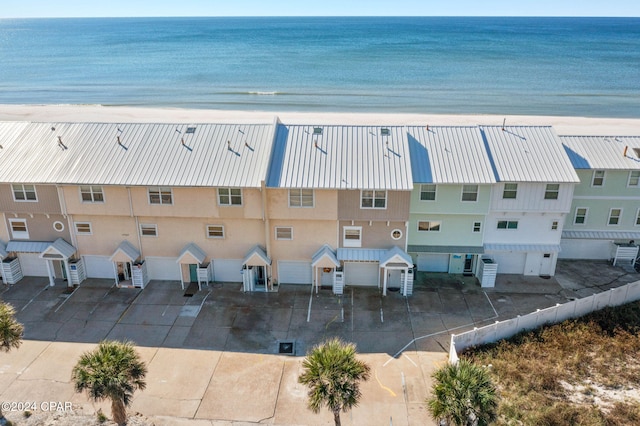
x: 292, y: 272
x: 585, y: 249
x: 163, y: 268
x: 227, y: 270
x: 361, y: 273
x: 433, y: 262
x: 510, y: 263
x: 98, y: 267
x: 32, y: 265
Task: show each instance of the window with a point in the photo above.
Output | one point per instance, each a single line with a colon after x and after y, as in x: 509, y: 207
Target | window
x: 634, y: 178
x: 638, y: 218
x: 429, y: 225
x: 301, y: 198
x: 230, y: 196
x: 371, y: 199
x: 91, y: 194
x: 284, y: 233
x: 160, y: 195
x: 507, y: 224
x: 427, y: 192
x: 477, y: 226
x: 614, y: 216
x: 551, y: 192
x: 469, y: 192
x: 215, y: 231
x: 352, y: 236
x: 396, y: 234
x: 510, y: 191
x: 598, y: 178
x: 149, y: 230
x: 19, y: 229
x: 24, y: 192
x: 554, y: 225
x: 581, y: 216
x: 83, y: 228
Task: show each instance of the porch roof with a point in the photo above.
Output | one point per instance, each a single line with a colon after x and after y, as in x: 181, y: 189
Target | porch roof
x: 544, y: 248
x: 27, y: 246
x: 127, y: 249
x: 445, y: 249
x: 256, y: 257
x: 395, y: 255
x: 58, y: 248
x: 325, y: 252
x: 195, y: 253
x: 360, y: 254
x: 601, y: 235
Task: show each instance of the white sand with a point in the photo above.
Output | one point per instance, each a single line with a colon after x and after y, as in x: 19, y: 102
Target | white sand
x: 97, y: 113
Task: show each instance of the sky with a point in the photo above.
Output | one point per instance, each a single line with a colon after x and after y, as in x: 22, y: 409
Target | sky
x: 135, y: 8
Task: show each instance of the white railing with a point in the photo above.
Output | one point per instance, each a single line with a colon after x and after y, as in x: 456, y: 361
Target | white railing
x: 553, y: 315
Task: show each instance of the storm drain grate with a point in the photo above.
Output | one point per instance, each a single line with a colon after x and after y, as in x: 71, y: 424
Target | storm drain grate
x: 287, y: 348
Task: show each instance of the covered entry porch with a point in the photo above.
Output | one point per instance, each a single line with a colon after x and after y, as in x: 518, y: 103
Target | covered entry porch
x: 193, y: 268
x: 324, y: 263
x: 256, y: 274
x: 128, y: 268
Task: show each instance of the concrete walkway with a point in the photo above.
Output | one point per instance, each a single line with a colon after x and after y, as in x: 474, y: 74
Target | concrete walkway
x: 213, y: 358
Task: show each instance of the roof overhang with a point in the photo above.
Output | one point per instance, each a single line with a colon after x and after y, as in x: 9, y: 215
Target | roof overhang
x: 360, y: 254
x: 256, y: 257
x: 27, y: 246
x: 445, y: 249
x: 325, y: 256
x: 191, y: 254
x: 125, y: 252
x: 397, y: 257
x: 601, y: 235
x: 541, y: 248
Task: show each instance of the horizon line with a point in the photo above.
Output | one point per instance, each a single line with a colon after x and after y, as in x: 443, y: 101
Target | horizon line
x: 320, y: 16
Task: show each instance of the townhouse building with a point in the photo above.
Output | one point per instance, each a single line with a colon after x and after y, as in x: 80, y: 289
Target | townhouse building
x: 605, y: 209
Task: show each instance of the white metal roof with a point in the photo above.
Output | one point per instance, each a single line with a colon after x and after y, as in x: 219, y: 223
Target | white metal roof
x: 528, y: 154
x: 324, y: 252
x: 545, y: 248
x: 28, y: 246
x: 60, y: 246
x: 256, y: 256
x: 128, y: 249
x: 216, y: 155
x: 341, y: 157
x: 451, y: 154
x: 603, y: 152
x: 395, y: 254
x: 194, y: 251
x: 601, y: 235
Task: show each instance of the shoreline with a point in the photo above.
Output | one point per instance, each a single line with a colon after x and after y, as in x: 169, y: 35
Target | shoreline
x: 564, y: 125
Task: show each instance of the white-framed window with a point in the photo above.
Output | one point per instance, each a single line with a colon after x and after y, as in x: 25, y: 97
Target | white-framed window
x: 634, y: 178
x: 551, y: 191
x: 428, y: 192
x: 58, y: 226
x: 598, y: 178
x: 554, y: 225
x: 160, y: 195
x: 477, y: 226
x: 581, y: 216
x: 83, y: 228
x: 148, y: 230
x: 396, y: 234
x: 507, y: 224
x: 215, y: 231
x: 230, y: 196
x: 24, y: 192
x: 510, y: 191
x: 429, y: 225
x: 19, y: 229
x: 284, y: 233
x: 637, y: 222
x: 299, y: 197
x: 91, y: 194
x: 614, y: 216
x: 373, y: 199
x: 469, y: 193
x: 352, y: 236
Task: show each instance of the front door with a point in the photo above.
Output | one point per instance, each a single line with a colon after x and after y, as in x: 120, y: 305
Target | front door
x: 394, y: 278
x: 468, y: 264
x: 193, y: 273
x: 545, y: 264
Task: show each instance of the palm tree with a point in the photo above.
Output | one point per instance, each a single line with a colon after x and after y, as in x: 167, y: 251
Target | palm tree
x: 332, y: 373
x: 463, y: 395
x: 112, y: 371
x: 10, y: 335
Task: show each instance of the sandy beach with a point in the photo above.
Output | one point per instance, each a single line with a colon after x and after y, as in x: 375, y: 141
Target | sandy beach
x: 125, y: 114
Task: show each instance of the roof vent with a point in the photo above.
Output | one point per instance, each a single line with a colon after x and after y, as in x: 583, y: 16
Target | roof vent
x: 385, y: 131
x: 317, y: 130
x: 191, y: 130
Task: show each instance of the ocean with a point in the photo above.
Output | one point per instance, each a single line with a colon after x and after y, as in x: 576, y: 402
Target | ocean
x: 454, y: 65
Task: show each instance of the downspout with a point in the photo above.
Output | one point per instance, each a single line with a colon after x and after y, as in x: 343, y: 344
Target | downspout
x: 267, y: 226
x: 63, y: 210
x: 136, y: 221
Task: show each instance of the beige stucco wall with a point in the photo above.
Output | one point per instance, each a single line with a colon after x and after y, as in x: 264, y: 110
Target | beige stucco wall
x: 308, y: 237
x: 378, y: 234
x: 325, y: 205
x: 397, y: 206
x: 40, y: 227
x: 116, y: 201
x: 107, y: 233
x: 47, y: 196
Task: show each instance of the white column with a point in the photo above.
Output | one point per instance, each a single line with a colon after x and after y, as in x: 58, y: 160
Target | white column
x: 384, y: 280
x: 52, y: 281
x: 115, y: 272
x: 181, y: 278
x: 65, y: 264
x: 404, y: 281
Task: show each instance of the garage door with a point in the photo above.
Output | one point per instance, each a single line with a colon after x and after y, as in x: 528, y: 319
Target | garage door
x: 291, y: 272
x: 361, y: 273
x: 510, y: 263
x: 585, y: 249
x: 433, y: 262
x: 98, y: 267
x: 163, y: 268
x: 32, y: 265
x: 227, y: 270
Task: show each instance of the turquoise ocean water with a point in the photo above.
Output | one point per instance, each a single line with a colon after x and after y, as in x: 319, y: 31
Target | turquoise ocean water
x: 545, y: 66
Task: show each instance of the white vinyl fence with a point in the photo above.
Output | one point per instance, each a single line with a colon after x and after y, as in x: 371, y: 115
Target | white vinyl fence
x: 553, y: 315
